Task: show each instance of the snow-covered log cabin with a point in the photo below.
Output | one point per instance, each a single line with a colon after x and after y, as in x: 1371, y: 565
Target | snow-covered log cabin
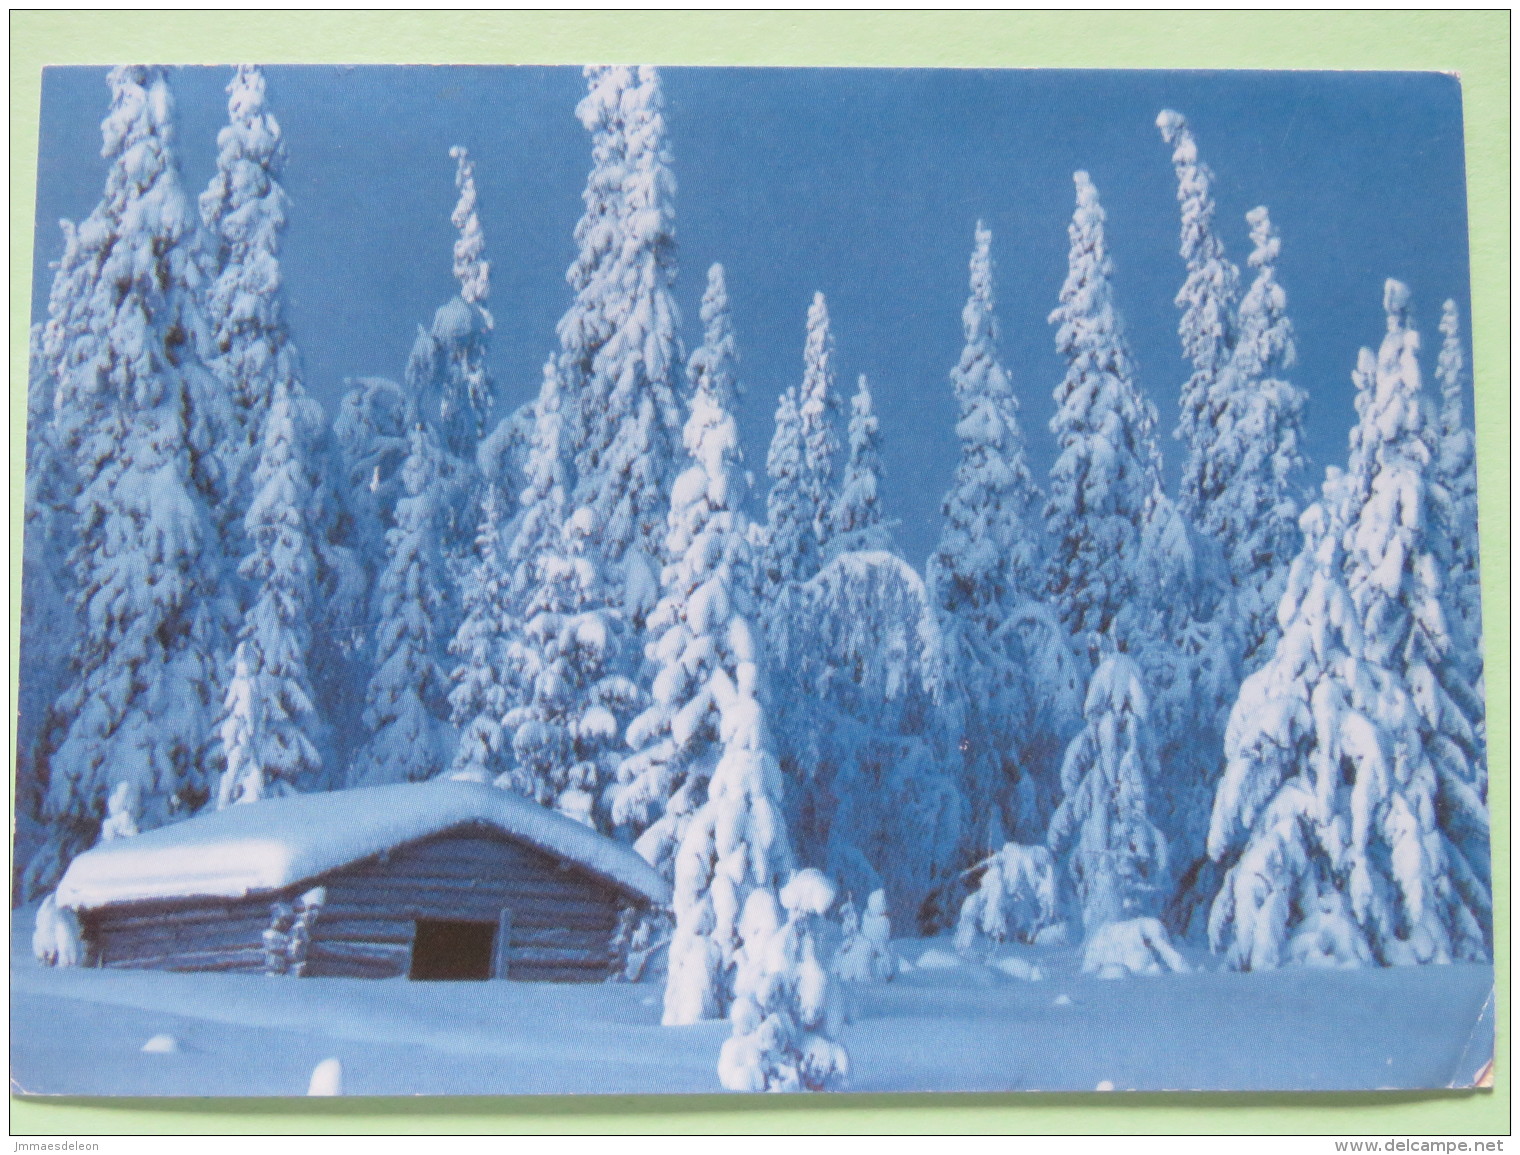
x: 432, y: 880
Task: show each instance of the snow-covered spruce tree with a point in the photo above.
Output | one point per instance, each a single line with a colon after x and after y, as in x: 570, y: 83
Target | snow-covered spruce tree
x: 1346, y: 818
x: 788, y: 529
x: 478, y: 701
x: 465, y: 411
x: 801, y: 505
x: 448, y: 379
x: 587, y: 324
x: 1284, y: 767
x: 243, y: 211
x: 65, y: 340
x: 734, y: 845
x: 1395, y: 579
x: 147, y: 564
x: 858, y: 521
x: 1208, y: 300
x: 572, y: 705
x: 1015, y: 898
x: 786, y: 1014
x: 1107, y: 468
x: 676, y: 741
x: 1114, y: 856
x: 269, y: 719
x: 406, y: 703
x: 1255, y: 519
x: 534, y: 554
x: 1458, y: 474
x: 567, y: 701
x: 985, y: 579
x: 63, y: 403
x: 988, y: 558
x: 865, y: 946
x: 714, y: 365
x: 535, y: 537
x: 544, y: 502
x: 817, y: 410
x: 622, y: 353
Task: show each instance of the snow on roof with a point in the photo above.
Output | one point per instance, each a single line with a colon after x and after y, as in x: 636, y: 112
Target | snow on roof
x: 277, y: 843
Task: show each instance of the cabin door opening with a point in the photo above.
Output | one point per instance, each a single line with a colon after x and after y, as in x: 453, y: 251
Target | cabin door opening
x: 455, y: 949
x: 448, y: 949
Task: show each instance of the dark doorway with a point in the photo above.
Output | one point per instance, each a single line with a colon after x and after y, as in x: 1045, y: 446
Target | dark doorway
x: 445, y: 949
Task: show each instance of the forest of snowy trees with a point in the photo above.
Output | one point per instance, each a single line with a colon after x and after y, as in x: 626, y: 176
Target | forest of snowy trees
x: 1246, y: 712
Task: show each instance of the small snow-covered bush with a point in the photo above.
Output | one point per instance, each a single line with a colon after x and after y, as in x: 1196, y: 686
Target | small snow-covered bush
x: 786, y: 1015
x: 1015, y: 900
x: 865, y: 954
x: 1329, y: 937
x: 935, y: 959
x: 1017, y: 968
x: 57, y: 940
x: 1136, y: 946
x: 123, y: 809
x: 1056, y: 934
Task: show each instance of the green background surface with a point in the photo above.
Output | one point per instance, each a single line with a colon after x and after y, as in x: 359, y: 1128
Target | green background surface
x: 1474, y: 45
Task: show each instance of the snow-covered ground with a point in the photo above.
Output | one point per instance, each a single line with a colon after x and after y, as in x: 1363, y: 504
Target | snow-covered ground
x: 949, y: 1027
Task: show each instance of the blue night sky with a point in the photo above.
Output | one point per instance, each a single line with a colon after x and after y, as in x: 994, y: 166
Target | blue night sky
x: 865, y: 184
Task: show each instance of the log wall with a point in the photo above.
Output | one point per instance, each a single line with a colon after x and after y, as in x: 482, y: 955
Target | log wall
x: 562, y: 918
x: 198, y: 935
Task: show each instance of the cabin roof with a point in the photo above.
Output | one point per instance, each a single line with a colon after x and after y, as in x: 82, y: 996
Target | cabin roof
x: 276, y: 843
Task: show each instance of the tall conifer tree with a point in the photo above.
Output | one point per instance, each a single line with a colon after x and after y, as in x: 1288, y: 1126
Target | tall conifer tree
x: 621, y: 344
x: 817, y: 416
x: 148, y: 563
x: 677, y: 741
x: 859, y: 523
x: 478, y: 701
x: 1208, y: 300
x: 789, y: 528
x: 270, y: 720
x: 244, y: 213
x: 1107, y: 468
x: 448, y: 377
x: 1017, y: 691
x: 406, y: 705
x: 1257, y: 513
x: 1347, y: 816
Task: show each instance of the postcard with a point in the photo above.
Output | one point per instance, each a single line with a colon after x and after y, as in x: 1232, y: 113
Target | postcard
x: 671, y: 580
